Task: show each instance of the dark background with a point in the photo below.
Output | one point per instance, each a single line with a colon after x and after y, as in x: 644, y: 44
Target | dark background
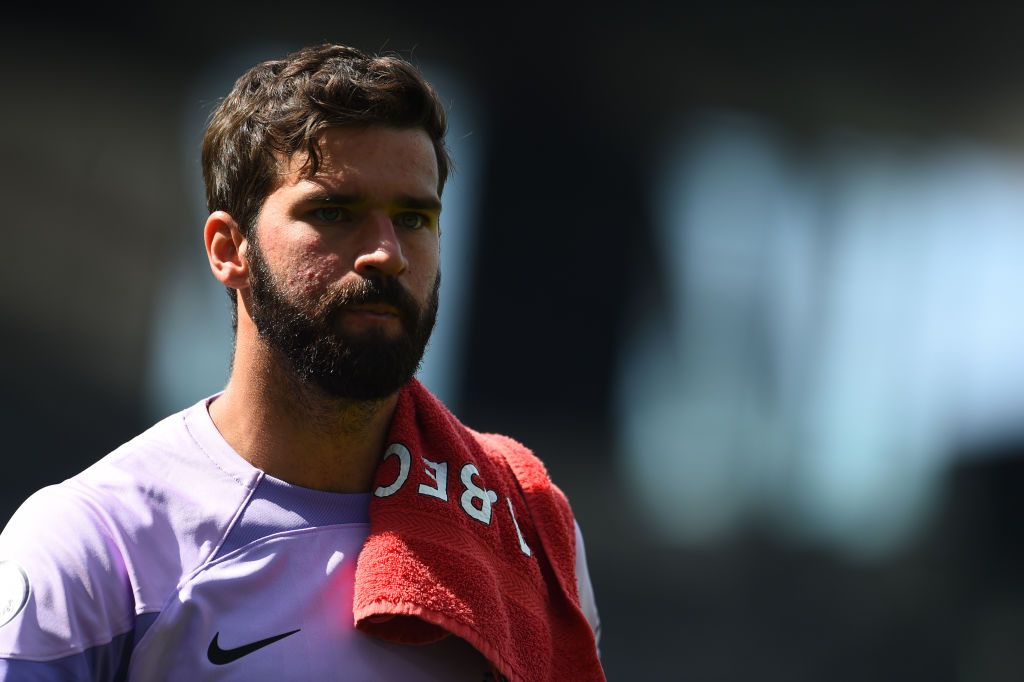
x: 578, y: 103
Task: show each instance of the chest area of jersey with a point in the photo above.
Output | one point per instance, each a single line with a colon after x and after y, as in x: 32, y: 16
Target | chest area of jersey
x: 281, y: 609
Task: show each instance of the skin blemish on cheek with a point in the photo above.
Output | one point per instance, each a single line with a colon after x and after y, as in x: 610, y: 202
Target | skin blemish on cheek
x: 315, y: 275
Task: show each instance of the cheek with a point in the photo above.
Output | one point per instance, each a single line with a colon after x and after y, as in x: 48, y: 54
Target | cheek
x: 313, y: 273
x: 424, y: 260
x: 422, y: 287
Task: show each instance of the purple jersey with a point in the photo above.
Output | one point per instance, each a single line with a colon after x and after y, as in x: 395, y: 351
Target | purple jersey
x: 175, y: 559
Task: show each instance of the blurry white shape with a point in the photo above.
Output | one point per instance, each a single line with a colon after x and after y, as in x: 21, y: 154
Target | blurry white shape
x: 872, y: 436
x: 191, y: 337
x: 825, y: 344
x: 694, y: 399
x: 982, y: 276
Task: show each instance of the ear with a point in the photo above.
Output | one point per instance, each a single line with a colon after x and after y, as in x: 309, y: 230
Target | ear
x: 225, y: 249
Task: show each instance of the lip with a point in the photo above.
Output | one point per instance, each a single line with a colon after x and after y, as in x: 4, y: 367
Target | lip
x: 372, y: 309
x: 368, y: 316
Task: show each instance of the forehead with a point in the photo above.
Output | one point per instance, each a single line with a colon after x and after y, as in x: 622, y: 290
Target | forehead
x: 371, y: 160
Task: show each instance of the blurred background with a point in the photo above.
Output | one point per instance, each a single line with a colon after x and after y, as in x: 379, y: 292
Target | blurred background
x: 747, y: 276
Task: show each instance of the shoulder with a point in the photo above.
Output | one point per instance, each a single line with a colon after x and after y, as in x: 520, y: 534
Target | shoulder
x: 173, y: 491
x: 110, y: 544
x: 528, y: 468
x: 540, y: 493
x: 66, y: 586
x: 550, y: 509
x: 182, y: 444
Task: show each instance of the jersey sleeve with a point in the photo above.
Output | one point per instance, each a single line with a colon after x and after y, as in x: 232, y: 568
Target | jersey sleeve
x: 66, y: 604
x: 586, y: 589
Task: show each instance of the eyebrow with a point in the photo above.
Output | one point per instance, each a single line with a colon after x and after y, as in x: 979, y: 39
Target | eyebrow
x: 424, y: 203
x: 402, y: 201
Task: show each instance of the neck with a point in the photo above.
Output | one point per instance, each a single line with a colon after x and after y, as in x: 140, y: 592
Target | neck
x: 295, y: 432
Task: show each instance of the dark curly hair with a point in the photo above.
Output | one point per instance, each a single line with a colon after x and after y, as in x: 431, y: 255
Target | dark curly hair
x: 279, y: 108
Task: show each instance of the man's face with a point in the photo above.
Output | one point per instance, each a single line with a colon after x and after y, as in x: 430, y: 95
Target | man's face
x: 344, y: 265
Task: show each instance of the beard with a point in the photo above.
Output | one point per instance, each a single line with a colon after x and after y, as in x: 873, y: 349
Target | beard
x: 369, y: 365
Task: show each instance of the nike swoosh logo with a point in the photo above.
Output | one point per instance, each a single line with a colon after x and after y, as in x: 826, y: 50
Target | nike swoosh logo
x: 220, y: 656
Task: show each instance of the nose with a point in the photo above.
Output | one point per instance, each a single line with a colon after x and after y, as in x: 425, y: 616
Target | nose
x: 381, y: 252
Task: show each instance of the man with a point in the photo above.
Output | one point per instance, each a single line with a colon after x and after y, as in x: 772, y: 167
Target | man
x: 324, y: 517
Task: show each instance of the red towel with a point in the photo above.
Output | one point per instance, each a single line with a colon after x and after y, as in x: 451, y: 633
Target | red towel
x: 469, y: 537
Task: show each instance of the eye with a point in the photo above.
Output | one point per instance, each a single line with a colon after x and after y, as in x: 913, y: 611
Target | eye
x: 331, y: 214
x: 412, y: 221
